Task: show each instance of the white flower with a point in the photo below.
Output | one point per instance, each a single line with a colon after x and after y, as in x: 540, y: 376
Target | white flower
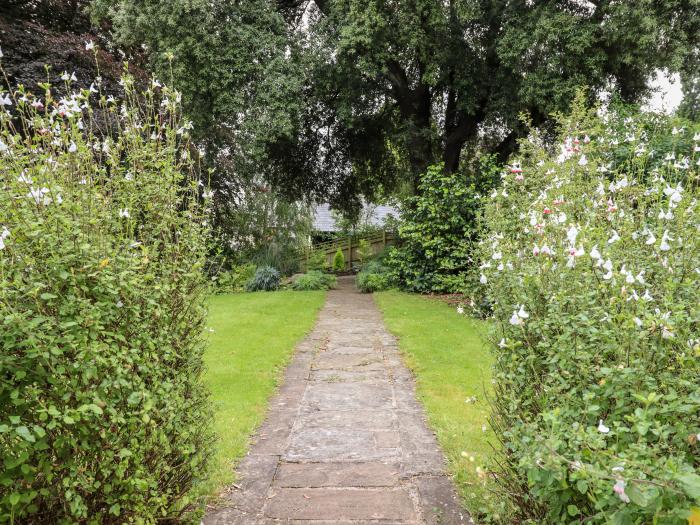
x: 615, y: 237
x: 535, y: 250
x: 546, y: 250
x: 1, y: 55
x: 460, y: 310
x: 666, y: 333
x: 5, y: 100
x: 502, y: 343
x: 647, y: 296
x: 674, y: 195
x: 666, y: 215
x: 72, y: 148
x: 124, y: 213
x: 602, y: 428
x: 496, y: 256
x: 664, y: 247
x: 651, y: 239
x: 208, y: 194
x: 89, y: 45
x: 582, y: 161
x: 24, y: 178
x: 571, y: 235
x: 608, y: 266
x: 38, y: 195
x: 638, y: 322
x: 4, y: 234
x: 595, y: 254
x: 483, y: 279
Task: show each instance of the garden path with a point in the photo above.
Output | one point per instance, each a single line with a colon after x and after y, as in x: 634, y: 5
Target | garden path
x: 345, y: 440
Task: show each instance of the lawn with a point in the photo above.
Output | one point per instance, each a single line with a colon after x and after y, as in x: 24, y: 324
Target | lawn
x: 452, y: 365
x: 253, y: 337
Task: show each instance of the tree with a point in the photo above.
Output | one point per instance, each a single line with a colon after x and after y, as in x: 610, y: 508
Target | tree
x: 409, y: 83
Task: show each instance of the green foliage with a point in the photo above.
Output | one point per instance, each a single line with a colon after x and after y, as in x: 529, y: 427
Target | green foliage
x: 373, y: 277
x: 235, y: 279
x: 315, y: 280
x: 592, y: 271
x: 438, y: 230
x: 266, y: 279
x: 364, y: 251
x: 317, y: 260
x: 405, y: 85
x: 103, y: 418
x: 339, y: 261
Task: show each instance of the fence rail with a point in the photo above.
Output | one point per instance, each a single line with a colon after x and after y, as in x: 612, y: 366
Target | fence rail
x: 350, y: 247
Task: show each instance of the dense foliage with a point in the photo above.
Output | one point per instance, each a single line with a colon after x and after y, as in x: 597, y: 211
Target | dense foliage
x: 315, y: 280
x: 265, y: 279
x: 408, y: 84
x: 233, y: 280
x: 592, y: 263
x: 373, y: 277
x: 438, y: 229
x: 103, y: 417
x: 339, y: 261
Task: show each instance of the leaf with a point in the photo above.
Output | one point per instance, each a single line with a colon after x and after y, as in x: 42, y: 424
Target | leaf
x: 638, y: 496
x: 690, y: 484
x: 25, y: 433
x: 14, y: 498
x: 694, y: 518
x: 572, y: 510
x: 46, y: 296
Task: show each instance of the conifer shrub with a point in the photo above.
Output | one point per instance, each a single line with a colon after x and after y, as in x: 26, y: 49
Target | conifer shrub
x: 339, y: 261
x: 591, y: 260
x: 103, y: 414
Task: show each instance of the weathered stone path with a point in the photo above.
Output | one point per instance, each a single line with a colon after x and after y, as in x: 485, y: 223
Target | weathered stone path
x: 345, y: 441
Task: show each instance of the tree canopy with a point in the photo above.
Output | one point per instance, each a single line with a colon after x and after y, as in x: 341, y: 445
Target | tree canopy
x: 340, y: 98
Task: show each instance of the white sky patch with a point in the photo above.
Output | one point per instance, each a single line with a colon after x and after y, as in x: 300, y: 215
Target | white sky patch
x: 667, y: 94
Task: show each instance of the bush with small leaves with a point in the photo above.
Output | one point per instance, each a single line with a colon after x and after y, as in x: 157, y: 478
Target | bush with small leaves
x: 103, y: 414
x: 266, y: 279
x: 315, y: 280
x: 591, y: 261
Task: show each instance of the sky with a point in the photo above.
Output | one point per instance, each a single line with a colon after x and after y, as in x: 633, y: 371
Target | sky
x: 668, y: 92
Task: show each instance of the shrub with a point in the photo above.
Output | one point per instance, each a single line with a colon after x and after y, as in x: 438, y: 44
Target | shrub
x: 317, y: 261
x: 235, y: 279
x: 373, y: 278
x: 265, y: 279
x: 103, y: 418
x: 593, y: 276
x: 364, y: 252
x: 314, y: 280
x: 368, y: 282
x: 339, y: 261
x: 438, y: 230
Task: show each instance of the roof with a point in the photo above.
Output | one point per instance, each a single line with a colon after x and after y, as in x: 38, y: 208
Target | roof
x: 372, y: 214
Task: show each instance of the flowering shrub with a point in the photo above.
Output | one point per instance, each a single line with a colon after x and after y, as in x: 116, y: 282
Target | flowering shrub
x: 592, y: 264
x: 103, y: 417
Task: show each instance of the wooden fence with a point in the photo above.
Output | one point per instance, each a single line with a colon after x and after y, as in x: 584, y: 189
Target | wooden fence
x: 350, y: 247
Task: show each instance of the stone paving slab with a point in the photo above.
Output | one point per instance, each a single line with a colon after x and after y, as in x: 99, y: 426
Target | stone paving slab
x: 345, y: 441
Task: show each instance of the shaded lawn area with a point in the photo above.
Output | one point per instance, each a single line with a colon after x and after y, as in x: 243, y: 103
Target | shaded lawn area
x: 253, y: 339
x: 446, y: 352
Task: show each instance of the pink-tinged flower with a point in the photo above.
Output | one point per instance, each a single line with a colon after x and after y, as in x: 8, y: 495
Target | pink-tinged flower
x: 515, y: 168
x: 546, y: 211
x: 535, y: 250
x: 586, y: 139
x: 619, y: 489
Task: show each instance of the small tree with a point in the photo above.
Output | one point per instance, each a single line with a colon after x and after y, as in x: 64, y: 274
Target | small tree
x: 339, y: 261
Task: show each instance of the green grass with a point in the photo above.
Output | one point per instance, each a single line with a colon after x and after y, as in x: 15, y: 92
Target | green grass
x: 452, y: 365
x: 253, y: 339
